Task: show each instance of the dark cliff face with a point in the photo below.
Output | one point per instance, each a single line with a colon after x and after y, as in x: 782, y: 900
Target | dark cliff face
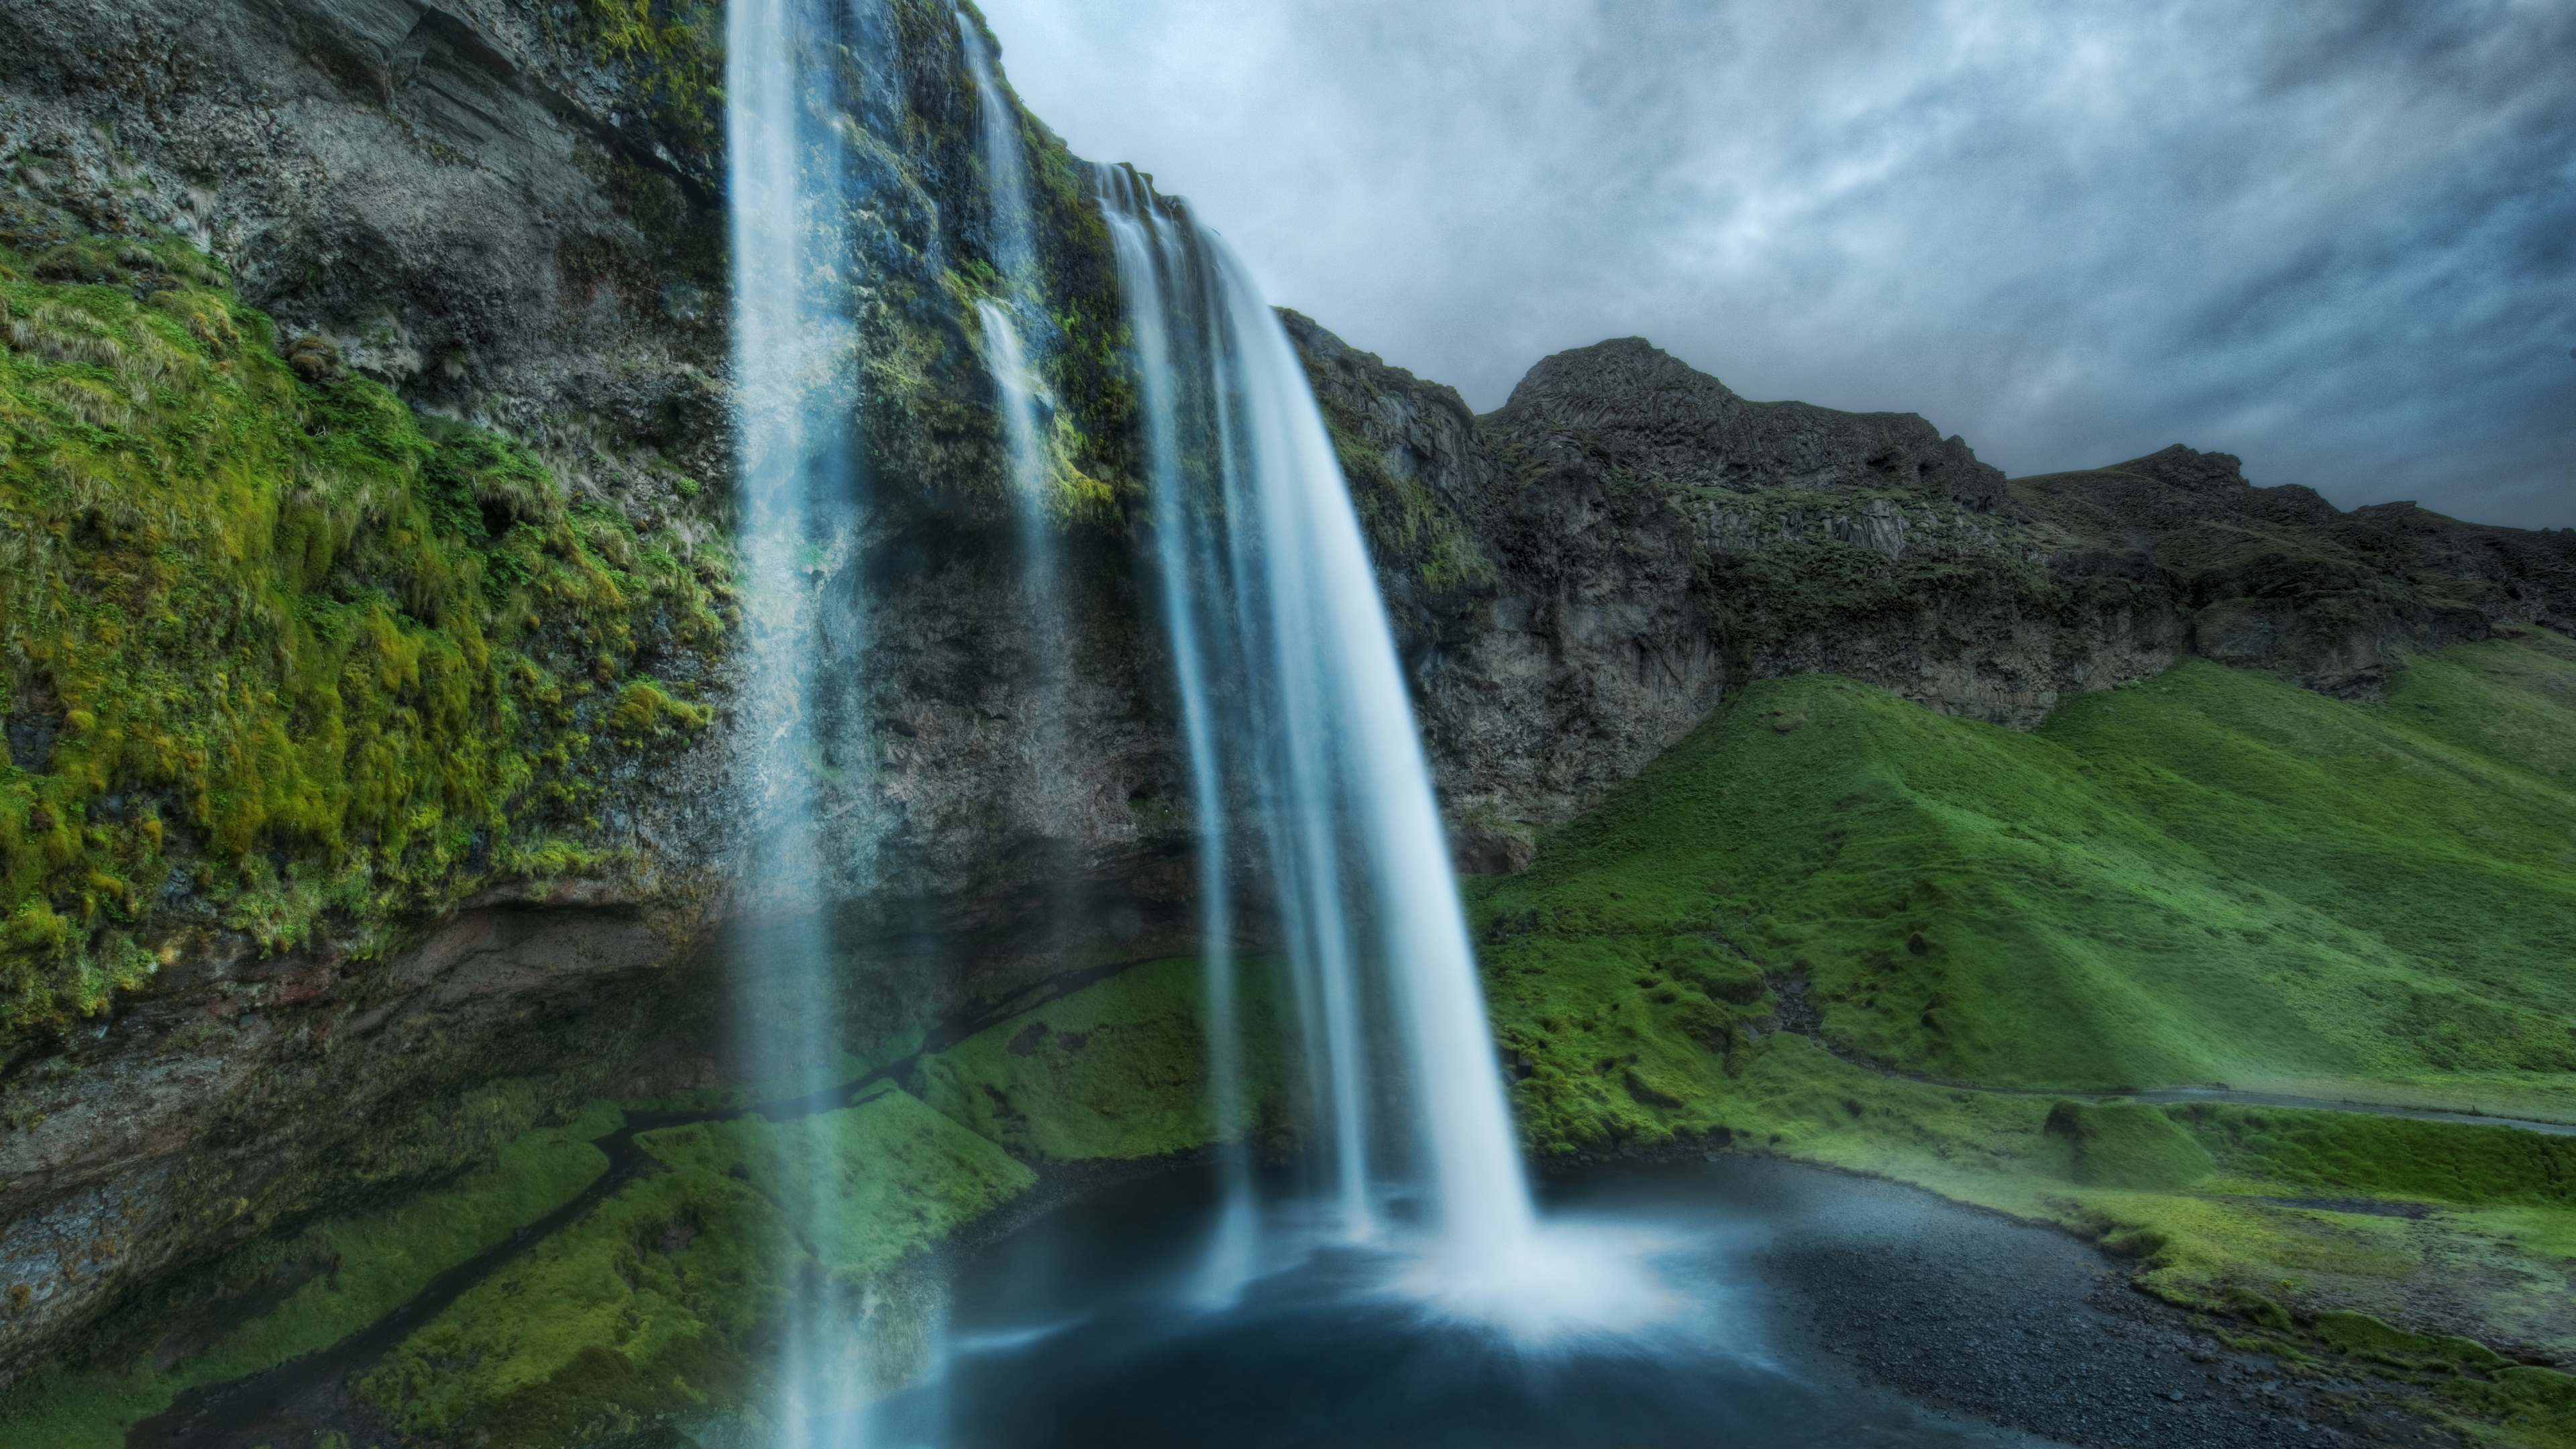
x: 1625, y: 408
x: 2278, y: 578
x: 1580, y: 575
x: 443, y: 190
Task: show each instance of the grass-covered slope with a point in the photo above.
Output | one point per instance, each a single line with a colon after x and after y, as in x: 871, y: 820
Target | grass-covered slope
x: 273, y: 645
x: 1835, y: 925
x: 666, y: 1298
x: 2209, y: 877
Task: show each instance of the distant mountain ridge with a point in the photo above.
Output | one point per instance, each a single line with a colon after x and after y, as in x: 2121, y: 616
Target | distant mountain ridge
x: 1581, y: 574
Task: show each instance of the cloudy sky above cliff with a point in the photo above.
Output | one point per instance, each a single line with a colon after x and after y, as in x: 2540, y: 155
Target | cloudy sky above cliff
x: 2338, y: 239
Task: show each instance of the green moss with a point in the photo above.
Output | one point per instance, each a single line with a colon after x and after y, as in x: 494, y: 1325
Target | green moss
x: 672, y: 54
x: 2359, y: 1333
x: 267, y: 639
x: 341, y: 1275
x: 897, y: 1176
x: 2256, y: 1309
x: 1407, y: 526
x: 660, y: 1301
x: 682, y: 1266
x: 1115, y: 1071
x: 645, y: 713
x: 2537, y: 1405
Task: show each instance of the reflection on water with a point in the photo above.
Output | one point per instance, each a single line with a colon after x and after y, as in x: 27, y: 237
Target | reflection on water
x: 1082, y: 1330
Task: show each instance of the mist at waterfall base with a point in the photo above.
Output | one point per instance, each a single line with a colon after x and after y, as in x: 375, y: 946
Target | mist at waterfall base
x: 1087, y: 1330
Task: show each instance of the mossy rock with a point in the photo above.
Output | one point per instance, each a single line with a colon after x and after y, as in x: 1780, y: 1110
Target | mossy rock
x: 2256, y: 1309
x: 2368, y: 1337
x: 2537, y: 1406
x: 271, y: 642
x: 2128, y: 1144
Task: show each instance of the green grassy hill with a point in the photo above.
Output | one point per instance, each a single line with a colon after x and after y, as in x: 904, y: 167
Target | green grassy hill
x: 2209, y: 877
x: 1834, y: 925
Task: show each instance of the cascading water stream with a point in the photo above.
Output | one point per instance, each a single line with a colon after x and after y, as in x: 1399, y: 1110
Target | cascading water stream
x: 1303, y: 752
x: 1292, y: 696
x: 1025, y: 408
x: 1147, y: 269
x: 796, y: 394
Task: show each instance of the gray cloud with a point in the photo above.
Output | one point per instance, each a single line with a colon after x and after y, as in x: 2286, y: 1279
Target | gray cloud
x: 2337, y: 239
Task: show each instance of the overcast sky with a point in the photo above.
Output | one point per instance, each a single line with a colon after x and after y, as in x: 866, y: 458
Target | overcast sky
x: 2338, y: 239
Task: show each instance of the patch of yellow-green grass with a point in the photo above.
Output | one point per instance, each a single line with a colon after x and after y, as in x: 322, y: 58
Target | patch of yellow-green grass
x: 864, y: 1187
x: 1116, y: 1071
x: 374, y: 1262
x: 667, y: 1297
x: 669, y: 1276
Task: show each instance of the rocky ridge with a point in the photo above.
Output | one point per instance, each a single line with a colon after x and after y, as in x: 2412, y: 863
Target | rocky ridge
x: 1591, y: 567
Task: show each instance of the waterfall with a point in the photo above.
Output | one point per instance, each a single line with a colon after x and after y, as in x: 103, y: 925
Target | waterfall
x: 801, y: 732
x: 997, y: 133
x: 1146, y: 268
x: 1026, y: 410
x: 1293, y: 700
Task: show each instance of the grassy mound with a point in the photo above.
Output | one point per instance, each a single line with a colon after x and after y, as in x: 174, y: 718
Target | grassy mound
x: 2127, y: 1144
x: 1117, y: 1071
x: 662, y: 1300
